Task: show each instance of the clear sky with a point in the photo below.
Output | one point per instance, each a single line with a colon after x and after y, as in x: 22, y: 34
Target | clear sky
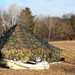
x: 44, y: 7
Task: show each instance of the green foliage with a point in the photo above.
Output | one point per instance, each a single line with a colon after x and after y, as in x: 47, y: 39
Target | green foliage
x: 69, y: 26
x: 72, y: 20
x: 27, y: 19
x: 25, y: 55
x: 13, y: 54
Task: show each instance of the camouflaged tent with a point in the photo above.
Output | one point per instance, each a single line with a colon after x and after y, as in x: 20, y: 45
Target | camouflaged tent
x: 22, y: 44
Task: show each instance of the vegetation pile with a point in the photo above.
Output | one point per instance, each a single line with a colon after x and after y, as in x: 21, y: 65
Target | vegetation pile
x: 22, y: 44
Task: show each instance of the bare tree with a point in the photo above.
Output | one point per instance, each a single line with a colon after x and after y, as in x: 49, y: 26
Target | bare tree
x: 49, y: 23
x: 14, y: 12
x: 37, y: 25
x: 8, y: 18
x: 41, y: 28
x: 3, y: 19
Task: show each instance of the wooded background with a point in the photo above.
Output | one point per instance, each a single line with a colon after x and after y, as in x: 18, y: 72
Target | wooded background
x: 47, y: 27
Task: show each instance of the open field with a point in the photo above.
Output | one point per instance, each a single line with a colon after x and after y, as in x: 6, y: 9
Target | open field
x: 68, y: 50
x: 63, y: 68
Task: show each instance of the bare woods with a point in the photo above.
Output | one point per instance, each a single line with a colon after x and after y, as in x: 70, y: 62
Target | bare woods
x: 46, y: 27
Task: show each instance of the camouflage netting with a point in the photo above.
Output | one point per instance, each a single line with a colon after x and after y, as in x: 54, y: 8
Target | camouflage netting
x: 22, y: 44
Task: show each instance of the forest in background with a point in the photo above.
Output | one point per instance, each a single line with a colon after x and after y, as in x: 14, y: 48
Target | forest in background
x: 46, y: 27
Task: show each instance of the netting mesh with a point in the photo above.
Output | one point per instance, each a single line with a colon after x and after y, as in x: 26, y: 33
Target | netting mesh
x: 19, y: 39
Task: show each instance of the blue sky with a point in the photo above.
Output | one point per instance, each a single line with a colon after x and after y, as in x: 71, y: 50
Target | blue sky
x: 44, y: 7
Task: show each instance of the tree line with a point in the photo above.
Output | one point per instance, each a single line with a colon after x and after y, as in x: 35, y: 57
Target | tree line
x: 46, y: 27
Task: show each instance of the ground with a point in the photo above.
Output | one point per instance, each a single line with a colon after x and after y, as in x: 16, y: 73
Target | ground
x: 57, y: 69
x: 63, y: 68
x: 68, y: 50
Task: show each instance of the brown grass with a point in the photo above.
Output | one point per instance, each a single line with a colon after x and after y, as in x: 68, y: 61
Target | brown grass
x: 56, y: 69
x: 68, y: 50
x: 63, y: 68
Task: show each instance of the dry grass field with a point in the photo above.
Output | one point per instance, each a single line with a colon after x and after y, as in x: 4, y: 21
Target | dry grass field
x: 68, y: 50
x: 57, y: 69
x: 63, y: 68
